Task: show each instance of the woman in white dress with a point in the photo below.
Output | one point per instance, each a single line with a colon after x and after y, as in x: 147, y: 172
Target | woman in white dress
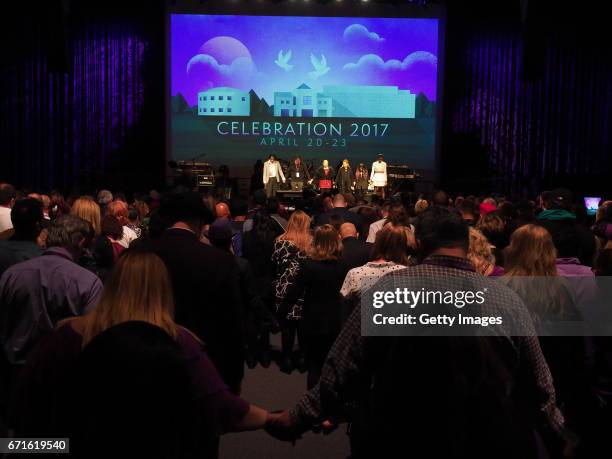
x: 379, y: 175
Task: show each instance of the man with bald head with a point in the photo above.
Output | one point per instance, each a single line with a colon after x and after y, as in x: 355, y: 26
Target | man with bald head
x: 355, y: 252
x: 339, y: 210
x: 222, y: 211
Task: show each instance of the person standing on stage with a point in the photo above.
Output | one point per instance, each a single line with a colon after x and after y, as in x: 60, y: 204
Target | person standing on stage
x: 325, y: 177
x: 344, y: 179
x: 271, y: 172
x: 379, y: 175
x: 298, y: 173
x: 361, y: 179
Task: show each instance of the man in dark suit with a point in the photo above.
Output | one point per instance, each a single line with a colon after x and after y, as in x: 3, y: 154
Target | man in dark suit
x: 298, y: 173
x: 339, y: 211
x: 205, y: 284
x: 355, y: 252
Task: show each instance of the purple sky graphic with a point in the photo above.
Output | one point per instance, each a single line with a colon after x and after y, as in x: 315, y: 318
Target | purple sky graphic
x: 240, y: 51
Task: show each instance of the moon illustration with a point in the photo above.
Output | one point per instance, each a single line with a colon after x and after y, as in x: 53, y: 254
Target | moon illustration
x: 225, y: 49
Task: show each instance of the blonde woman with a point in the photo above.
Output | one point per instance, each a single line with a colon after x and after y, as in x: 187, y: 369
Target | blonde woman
x: 531, y: 272
x: 421, y: 206
x: 480, y: 254
x: 318, y: 282
x: 89, y: 210
x: 138, y: 289
x: 290, y: 249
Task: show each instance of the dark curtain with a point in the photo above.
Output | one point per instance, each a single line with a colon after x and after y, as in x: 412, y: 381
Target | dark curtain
x: 82, y: 98
x: 528, y: 103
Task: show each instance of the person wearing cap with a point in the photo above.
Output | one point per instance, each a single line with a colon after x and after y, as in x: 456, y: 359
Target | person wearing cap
x: 205, y: 283
x: 571, y: 239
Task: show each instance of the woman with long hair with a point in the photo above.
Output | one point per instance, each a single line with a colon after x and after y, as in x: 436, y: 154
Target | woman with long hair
x: 480, y: 254
x: 531, y: 271
x: 390, y: 253
x: 344, y: 178
x: 89, y: 210
x: 318, y: 282
x: 138, y: 289
x: 494, y: 228
x: 290, y: 249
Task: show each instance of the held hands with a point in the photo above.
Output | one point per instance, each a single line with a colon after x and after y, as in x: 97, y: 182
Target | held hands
x: 279, y: 426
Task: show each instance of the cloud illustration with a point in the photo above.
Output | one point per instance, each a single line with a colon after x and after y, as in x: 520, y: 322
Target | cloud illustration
x: 416, y: 72
x: 207, y: 72
x: 358, y: 32
x: 375, y: 62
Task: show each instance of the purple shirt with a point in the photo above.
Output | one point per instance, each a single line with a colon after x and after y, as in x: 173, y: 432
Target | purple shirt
x: 581, y: 280
x: 37, y: 293
x: 570, y: 267
x: 44, y: 376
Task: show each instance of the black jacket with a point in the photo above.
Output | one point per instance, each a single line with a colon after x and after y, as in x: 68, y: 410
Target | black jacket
x: 320, y: 282
x: 344, y: 179
x: 571, y: 239
x: 207, y: 297
x: 302, y: 169
x: 354, y: 253
x: 345, y: 214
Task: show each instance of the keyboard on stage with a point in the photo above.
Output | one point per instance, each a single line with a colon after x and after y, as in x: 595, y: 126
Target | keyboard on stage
x: 401, y: 172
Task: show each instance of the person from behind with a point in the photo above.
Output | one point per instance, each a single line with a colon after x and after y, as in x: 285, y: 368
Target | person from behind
x: 37, y: 293
x: 87, y: 209
x: 104, y: 198
x: 396, y: 215
x: 390, y: 252
x: 291, y: 249
x: 7, y: 200
x: 603, y: 225
x: 205, y: 283
x: 120, y: 211
x: 355, y: 252
x: 469, y: 212
x: 382, y: 379
x: 559, y: 219
x: 480, y: 253
x: 532, y: 272
x: 318, y: 282
x: 138, y: 289
x: 494, y: 228
x: 340, y: 210
x: 27, y: 218
x: 255, y: 315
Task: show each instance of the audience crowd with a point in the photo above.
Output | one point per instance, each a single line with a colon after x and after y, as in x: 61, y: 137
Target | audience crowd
x: 136, y: 318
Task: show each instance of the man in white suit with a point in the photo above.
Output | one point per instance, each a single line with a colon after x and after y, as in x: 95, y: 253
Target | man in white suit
x: 272, y: 172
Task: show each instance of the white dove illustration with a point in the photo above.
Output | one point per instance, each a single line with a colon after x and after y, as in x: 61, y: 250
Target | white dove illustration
x: 320, y: 66
x: 283, y: 61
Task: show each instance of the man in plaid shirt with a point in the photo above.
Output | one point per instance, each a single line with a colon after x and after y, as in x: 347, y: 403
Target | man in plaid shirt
x: 350, y: 375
